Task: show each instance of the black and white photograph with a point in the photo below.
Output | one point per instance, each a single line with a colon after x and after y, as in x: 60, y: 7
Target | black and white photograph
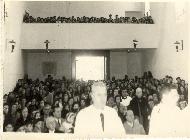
x: 94, y: 69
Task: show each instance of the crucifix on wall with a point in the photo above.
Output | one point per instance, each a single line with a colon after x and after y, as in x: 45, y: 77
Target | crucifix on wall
x: 12, y: 42
x: 47, y: 43
x: 135, y: 43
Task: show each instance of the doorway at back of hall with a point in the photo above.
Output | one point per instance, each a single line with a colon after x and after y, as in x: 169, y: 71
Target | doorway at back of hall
x: 90, y: 67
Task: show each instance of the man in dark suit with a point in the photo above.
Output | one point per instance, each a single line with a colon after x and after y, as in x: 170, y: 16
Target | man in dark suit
x: 57, y: 115
x: 46, y: 111
x: 139, y: 106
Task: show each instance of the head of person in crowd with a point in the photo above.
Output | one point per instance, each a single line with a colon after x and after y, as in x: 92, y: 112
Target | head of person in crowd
x: 122, y: 109
x: 178, y: 79
x: 76, y: 98
x: 169, y: 95
x: 150, y: 97
x: 42, y: 104
x: 5, y: 109
x: 38, y: 125
x: 37, y: 115
x: 11, y: 97
x: 84, y: 96
x: 82, y: 103
x: 17, y: 105
x: 159, y: 88
x: 181, y: 97
x: 76, y: 107
x: 138, y: 93
x: 29, y: 127
x: 124, y: 93
x: 182, y: 89
x: 170, y: 79
x: 155, y: 98
x: 182, y: 104
x: 68, y: 125
x: 23, y: 102
x: 186, y: 87
x: 57, y: 112
x: 113, y: 78
x: 5, y: 97
x: 116, y: 92
x: 13, y: 109
x: 110, y: 92
x: 110, y: 101
x: 71, y: 101
x: 151, y: 104
x: 66, y: 107
x: 99, y: 95
x: 129, y: 116
x: 183, y: 83
x: 28, y: 103
x: 88, y: 88
x: 113, y: 86
x: 51, y: 123
x: 118, y: 100
x: 25, y: 113
x: 56, y: 103
x: 47, y: 110
x: 21, y: 129
x: 70, y: 117
x: 32, y: 113
x: 9, y: 127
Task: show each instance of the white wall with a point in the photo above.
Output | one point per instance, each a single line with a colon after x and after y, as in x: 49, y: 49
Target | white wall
x: 89, y: 36
x: 165, y: 60
x: 34, y: 64
x: 13, y: 62
x: 122, y: 63
x: 81, y: 8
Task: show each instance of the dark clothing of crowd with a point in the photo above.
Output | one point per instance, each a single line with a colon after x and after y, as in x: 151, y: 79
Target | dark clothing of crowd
x: 31, y: 102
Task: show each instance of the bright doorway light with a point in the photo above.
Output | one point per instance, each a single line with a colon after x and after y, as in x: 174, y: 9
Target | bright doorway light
x: 90, y: 68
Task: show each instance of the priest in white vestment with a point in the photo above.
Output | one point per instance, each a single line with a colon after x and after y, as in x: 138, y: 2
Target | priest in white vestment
x: 98, y: 120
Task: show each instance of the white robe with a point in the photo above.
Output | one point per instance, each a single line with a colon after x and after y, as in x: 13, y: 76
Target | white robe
x: 88, y: 123
x: 169, y: 121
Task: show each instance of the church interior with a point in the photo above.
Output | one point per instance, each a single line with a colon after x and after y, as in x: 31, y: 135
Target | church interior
x: 88, y: 40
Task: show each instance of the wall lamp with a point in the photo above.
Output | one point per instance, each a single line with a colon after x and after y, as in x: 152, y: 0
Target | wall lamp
x: 179, y: 45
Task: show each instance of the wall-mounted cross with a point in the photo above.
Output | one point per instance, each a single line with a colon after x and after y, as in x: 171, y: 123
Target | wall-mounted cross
x: 135, y: 43
x: 12, y: 44
x: 46, y: 42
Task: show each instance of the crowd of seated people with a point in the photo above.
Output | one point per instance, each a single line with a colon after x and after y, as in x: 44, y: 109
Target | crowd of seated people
x: 51, y: 106
x: 146, y: 19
